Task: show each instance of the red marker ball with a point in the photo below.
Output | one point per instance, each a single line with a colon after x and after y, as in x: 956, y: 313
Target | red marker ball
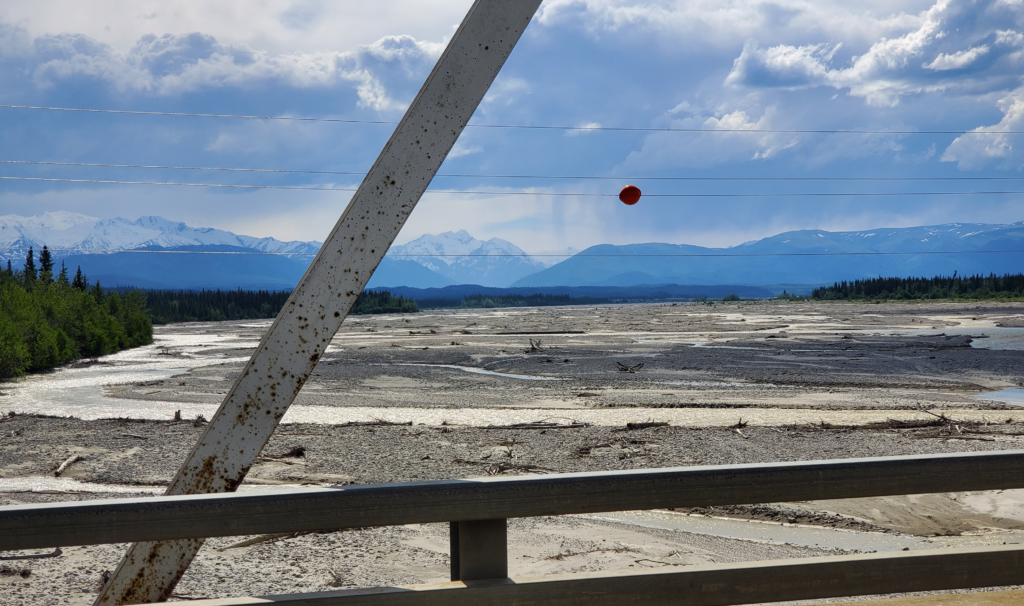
x: 630, y: 195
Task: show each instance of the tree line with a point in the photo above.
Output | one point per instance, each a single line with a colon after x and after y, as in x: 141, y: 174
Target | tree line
x: 510, y: 300
x: 47, y: 319
x: 976, y: 287
x: 170, y: 306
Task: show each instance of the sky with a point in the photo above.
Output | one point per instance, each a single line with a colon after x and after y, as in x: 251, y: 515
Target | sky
x: 906, y: 66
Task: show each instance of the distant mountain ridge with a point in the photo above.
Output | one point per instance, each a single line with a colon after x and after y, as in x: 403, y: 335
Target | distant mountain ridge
x: 798, y: 257
x: 493, y: 262
x: 82, y: 233
x: 806, y: 257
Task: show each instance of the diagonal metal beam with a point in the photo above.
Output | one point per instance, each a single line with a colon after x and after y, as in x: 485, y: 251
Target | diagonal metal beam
x: 325, y: 294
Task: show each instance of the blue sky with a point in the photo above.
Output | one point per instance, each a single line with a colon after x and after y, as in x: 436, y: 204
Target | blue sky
x: 785, y: 64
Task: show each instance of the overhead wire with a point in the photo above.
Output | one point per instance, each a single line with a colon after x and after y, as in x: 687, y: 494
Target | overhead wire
x: 528, y: 255
x: 524, y: 126
x: 481, y: 176
x: 521, y: 192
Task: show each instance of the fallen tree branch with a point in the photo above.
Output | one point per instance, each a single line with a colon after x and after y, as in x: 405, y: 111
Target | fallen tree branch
x: 67, y: 463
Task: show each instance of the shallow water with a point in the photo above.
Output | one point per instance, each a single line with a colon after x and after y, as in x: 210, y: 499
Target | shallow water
x: 1013, y: 396
x: 491, y: 373
x: 79, y: 390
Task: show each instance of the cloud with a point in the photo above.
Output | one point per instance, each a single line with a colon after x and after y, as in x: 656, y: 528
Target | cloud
x: 460, y: 150
x: 975, y: 151
x: 781, y: 66
x: 174, y: 65
x: 584, y: 129
x: 276, y: 26
x: 665, y: 150
x: 956, y: 47
x: 957, y: 60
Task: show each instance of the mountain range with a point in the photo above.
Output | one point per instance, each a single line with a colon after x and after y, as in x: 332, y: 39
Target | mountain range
x: 811, y: 257
x: 153, y: 252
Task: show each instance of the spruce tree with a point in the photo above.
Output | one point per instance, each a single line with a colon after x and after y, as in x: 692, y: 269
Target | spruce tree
x: 80, y: 282
x: 30, y: 267
x: 45, y: 265
x: 97, y: 293
x: 10, y: 272
x: 62, y: 279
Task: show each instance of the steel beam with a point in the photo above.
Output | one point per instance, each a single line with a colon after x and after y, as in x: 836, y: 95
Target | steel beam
x: 715, y: 585
x: 323, y: 297
x: 479, y: 550
x: 49, y: 525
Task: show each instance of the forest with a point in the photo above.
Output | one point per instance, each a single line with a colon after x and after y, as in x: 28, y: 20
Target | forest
x: 974, y: 288
x: 169, y: 306
x: 508, y: 300
x: 47, y: 320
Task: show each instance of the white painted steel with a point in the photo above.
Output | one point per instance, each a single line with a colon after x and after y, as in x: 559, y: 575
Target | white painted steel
x: 325, y: 294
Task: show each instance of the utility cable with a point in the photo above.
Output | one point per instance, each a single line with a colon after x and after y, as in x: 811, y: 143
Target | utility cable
x: 522, y: 192
x: 475, y: 176
x: 528, y: 126
x: 559, y: 256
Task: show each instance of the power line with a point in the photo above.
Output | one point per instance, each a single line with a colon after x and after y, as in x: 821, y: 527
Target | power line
x: 527, y: 255
x: 523, y: 192
x: 528, y: 126
x: 215, y: 168
x: 477, y: 176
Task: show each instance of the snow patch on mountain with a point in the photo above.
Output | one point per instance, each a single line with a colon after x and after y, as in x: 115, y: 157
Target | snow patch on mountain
x: 464, y: 259
x: 81, y: 233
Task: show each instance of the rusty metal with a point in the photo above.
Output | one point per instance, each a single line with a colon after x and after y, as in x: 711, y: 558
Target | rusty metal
x: 325, y: 294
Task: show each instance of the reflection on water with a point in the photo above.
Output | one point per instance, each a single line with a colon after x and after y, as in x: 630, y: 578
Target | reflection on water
x: 1013, y: 397
x: 484, y: 371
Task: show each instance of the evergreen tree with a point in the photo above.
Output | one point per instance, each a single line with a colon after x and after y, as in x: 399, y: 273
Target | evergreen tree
x: 63, y: 277
x: 45, y: 327
x: 10, y: 272
x: 45, y: 265
x: 80, y: 282
x: 30, y: 267
x: 97, y: 293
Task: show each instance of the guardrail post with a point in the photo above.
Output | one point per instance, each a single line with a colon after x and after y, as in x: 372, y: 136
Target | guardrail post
x: 479, y: 550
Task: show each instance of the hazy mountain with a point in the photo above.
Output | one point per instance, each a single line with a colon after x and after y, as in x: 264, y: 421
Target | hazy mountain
x: 798, y: 257
x: 654, y: 263
x: 64, y: 230
x: 110, y: 251
x: 483, y: 267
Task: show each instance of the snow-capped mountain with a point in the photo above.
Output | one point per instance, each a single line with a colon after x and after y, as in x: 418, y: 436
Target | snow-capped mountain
x: 493, y: 262
x: 72, y: 232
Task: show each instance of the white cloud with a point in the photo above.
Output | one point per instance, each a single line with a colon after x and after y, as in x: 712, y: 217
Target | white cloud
x: 584, y: 129
x: 280, y: 27
x: 914, y: 62
x: 179, y: 64
x: 460, y: 150
x: 782, y: 66
x: 957, y: 60
x: 666, y: 151
x: 976, y: 151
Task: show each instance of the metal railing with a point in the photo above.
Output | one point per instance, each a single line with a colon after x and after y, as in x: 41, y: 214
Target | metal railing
x: 478, y: 509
